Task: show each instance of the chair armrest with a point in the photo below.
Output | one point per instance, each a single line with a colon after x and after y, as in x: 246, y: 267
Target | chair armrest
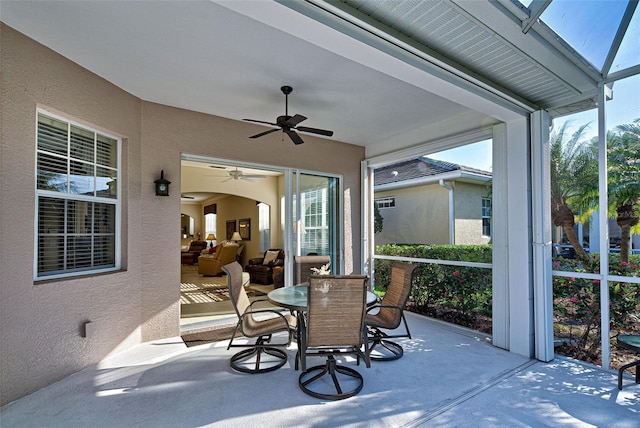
x: 256, y: 261
x: 262, y: 311
x: 379, y: 306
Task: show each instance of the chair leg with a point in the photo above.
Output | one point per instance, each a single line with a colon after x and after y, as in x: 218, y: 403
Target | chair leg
x: 388, y: 350
x: 250, y: 360
x: 332, y: 369
x: 626, y: 366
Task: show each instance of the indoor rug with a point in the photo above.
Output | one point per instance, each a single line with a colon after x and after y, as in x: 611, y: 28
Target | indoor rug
x: 210, y: 336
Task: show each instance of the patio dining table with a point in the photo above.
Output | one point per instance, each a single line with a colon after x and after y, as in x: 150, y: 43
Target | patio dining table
x: 295, y: 298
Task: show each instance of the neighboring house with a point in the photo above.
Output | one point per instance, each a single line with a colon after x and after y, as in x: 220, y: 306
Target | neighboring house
x: 429, y: 201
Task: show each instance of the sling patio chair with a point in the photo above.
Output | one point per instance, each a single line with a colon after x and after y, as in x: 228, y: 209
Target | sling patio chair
x: 261, y: 356
x: 389, y: 313
x: 334, y: 326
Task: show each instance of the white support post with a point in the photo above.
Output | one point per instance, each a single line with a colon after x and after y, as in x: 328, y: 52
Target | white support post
x: 512, y: 259
x: 542, y: 245
x: 500, y: 277
x: 604, y: 227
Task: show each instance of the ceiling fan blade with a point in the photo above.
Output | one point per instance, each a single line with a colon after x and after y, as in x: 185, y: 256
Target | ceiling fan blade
x: 223, y: 181
x: 261, y: 121
x: 183, y: 196
x: 293, y: 121
x: 315, y: 131
x: 247, y: 178
x: 264, y: 133
x: 254, y: 176
x: 294, y: 137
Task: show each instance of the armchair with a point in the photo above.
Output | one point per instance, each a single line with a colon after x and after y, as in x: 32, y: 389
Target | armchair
x: 334, y: 326
x: 211, y: 265
x: 389, y: 313
x: 190, y: 256
x: 260, y: 356
x: 261, y: 268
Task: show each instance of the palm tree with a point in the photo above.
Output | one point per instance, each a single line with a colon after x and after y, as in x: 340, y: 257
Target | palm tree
x: 569, y: 161
x: 623, y: 174
x: 623, y: 158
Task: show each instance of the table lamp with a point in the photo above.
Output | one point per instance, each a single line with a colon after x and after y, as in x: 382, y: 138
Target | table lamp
x: 211, y: 237
x: 236, y: 237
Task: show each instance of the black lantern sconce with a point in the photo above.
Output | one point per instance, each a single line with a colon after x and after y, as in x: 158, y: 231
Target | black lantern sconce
x: 162, y: 185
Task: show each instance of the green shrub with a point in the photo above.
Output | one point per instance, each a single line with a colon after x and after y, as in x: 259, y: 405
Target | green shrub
x: 465, y: 291
x: 576, y: 301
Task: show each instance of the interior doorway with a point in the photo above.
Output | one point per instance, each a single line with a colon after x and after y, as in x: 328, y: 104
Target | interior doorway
x: 271, y: 208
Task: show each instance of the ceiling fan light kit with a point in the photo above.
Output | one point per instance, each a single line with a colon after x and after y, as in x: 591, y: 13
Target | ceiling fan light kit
x: 289, y: 124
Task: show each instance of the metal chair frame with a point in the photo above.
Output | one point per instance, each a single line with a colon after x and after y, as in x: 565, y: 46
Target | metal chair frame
x: 262, y: 330
x: 312, y: 376
x: 379, y: 339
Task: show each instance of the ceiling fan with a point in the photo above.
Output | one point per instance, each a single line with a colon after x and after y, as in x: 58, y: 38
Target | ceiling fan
x: 289, y: 124
x: 239, y: 175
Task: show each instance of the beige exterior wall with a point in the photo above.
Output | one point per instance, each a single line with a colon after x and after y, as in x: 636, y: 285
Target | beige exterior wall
x: 420, y: 216
x: 41, y: 322
x: 468, y: 208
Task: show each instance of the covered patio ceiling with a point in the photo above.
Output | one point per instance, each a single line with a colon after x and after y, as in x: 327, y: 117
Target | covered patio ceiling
x: 382, y: 74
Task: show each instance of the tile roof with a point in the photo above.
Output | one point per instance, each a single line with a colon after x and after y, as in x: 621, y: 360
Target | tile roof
x: 419, y: 168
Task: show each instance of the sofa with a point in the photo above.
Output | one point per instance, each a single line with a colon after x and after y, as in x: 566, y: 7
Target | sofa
x: 190, y: 256
x: 260, y: 269
x: 211, y: 264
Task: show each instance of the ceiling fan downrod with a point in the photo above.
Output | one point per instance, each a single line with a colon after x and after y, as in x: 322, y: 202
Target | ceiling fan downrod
x: 286, y: 90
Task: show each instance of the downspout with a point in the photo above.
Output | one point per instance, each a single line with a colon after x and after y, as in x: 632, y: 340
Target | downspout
x: 452, y: 223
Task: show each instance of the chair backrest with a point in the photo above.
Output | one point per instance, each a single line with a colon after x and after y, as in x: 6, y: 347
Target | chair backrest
x: 237, y: 293
x: 398, y: 291
x: 303, y: 265
x: 227, y: 253
x: 197, y: 246
x: 335, y: 315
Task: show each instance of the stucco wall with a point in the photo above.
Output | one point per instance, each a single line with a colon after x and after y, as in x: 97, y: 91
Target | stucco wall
x: 420, y: 216
x: 468, y: 208
x: 41, y: 322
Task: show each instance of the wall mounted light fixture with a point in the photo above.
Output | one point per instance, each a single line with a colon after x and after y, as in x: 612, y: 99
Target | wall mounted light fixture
x: 162, y: 185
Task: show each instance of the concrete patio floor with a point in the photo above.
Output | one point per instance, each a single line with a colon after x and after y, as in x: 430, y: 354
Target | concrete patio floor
x: 449, y: 376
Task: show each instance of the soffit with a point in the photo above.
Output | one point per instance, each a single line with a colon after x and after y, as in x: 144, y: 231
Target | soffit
x: 489, y: 44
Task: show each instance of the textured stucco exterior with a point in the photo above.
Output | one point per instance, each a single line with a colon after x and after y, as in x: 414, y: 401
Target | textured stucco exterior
x: 41, y: 322
x: 468, y: 213
x: 421, y: 215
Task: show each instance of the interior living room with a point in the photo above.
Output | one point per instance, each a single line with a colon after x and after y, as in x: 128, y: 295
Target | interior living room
x: 219, y: 206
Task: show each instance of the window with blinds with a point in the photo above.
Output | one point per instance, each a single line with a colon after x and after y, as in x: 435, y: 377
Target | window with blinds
x: 77, y: 199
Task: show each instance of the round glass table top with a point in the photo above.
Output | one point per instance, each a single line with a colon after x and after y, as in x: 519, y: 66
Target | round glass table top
x: 295, y: 297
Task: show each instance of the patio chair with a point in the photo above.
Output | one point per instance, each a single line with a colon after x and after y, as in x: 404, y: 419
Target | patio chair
x: 335, y: 326
x: 630, y: 342
x: 252, y: 360
x: 388, y: 314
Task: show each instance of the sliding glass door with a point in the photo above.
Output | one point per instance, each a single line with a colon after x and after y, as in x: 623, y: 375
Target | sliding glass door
x: 314, y: 209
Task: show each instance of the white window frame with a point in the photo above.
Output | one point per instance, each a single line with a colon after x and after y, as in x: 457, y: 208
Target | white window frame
x: 486, y: 216
x: 386, y: 202
x: 40, y: 193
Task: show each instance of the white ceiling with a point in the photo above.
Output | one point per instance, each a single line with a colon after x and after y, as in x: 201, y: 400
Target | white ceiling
x: 231, y: 58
